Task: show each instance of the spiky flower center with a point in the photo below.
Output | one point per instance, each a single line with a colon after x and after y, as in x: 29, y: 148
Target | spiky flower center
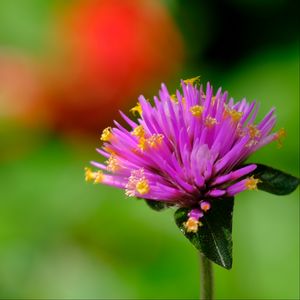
x: 186, y: 149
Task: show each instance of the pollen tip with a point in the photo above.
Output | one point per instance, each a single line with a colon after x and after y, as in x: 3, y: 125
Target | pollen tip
x: 232, y: 113
x: 142, y: 186
x: 112, y: 164
x: 254, y: 134
x: 253, y: 131
x: 138, y: 131
x: 142, y: 145
x: 205, y: 206
x: 106, y: 134
x: 155, y: 140
x: 251, y: 183
x: 236, y: 115
x: 137, y: 183
x: 210, y: 122
x: 136, y: 109
x: 196, y: 110
x: 280, y: 134
x: 192, y: 225
x: 174, y: 98
x: 192, y: 81
x: 89, y: 175
x: 97, y: 177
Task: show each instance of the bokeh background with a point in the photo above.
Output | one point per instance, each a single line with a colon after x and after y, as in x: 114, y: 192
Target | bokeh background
x: 66, y: 68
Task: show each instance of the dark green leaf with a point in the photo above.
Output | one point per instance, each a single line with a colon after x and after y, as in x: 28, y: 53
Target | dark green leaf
x: 156, y: 205
x: 275, y: 181
x: 214, y: 238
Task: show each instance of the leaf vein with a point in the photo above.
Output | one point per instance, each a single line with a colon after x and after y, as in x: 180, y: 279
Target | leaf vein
x: 216, y: 244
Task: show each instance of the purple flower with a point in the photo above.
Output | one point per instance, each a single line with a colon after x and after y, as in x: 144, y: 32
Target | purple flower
x: 185, y: 149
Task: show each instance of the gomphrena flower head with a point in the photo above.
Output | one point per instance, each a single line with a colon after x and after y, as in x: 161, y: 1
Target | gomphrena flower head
x: 185, y: 149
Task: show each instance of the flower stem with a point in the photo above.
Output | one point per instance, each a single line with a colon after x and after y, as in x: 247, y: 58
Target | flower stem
x: 206, y: 279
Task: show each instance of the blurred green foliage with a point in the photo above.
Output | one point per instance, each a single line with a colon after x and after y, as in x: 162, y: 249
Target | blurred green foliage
x: 63, y: 238
x: 24, y: 24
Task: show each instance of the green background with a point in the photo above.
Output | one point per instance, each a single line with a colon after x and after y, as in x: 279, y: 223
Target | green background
x: 63, y: 238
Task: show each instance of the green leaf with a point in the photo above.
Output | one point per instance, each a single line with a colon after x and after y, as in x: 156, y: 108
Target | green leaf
x: 275, y: 181
x: 156, y: 205
x: 213, y: 238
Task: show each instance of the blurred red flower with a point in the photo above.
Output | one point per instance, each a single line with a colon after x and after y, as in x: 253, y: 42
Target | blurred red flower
x: 109, y: 51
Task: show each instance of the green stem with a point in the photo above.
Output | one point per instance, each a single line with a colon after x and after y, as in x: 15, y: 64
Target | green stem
x: 206, y: 279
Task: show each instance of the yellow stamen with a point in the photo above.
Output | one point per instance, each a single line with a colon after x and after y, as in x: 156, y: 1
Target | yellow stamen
x: 255, y: 134
x: 137, y: 183
x: 253, y: 131
x: 142, y: 143
x: 138, y: 131
x: 106, y: 134
x: 196, y: 110
x: 205, y: 206
x: 97, y: 177
x: 142, y: 186
x: 89, y: 174
x: 192, y: 225
x: 174, y: 98
x: 251, y: 183
x: 210, y: 122
x: 234, y: 114
x: 137, y: 109
x: 112, y: 164
x: 192, y: 81
x: 279, y: 136
x: 155, y: 140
